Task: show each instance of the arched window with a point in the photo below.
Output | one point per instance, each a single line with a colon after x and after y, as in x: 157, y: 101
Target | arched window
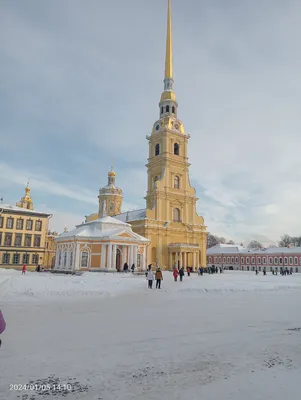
x: 280, y: 260
x: 291, y: 260
x: 167, y: 108
x: 173, y: 109
x: 224, y: 259
x: 177, y: 182
x: 177, y: 215
x: 236, y: 260
x: 210, y: 260
x: 84, y: 259
x: 296, y: 261
x: 275, y: 260
x: 162, y: 110
x: 248, y: 260
x: 228, y: 260
x: 232, y: 260
x: 285, y: 260
x: 176, y: 149
x: 157, y: 149
x: 220, y: 259
x: 242, y: 260
x: 258, y: 260
x: 270, y: 260
x: 264, y: 260
x: 253, y: 260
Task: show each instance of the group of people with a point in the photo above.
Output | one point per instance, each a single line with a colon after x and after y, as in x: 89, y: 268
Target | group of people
x: 283, y: 271
x: 150, y: 276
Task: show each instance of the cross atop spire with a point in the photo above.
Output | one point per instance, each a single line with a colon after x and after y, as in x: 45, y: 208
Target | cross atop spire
x: 168, y: 56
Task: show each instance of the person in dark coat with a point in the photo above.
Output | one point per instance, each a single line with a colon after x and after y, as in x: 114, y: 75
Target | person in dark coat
x: 188, y: 271
x: 133, y: 268
x: 159, y: 278
x: 125, y: 267
x: 181, y: 273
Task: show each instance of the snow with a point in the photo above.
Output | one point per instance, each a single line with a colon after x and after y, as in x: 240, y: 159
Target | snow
x: 228, y: 336
x: 134, y: 215
x: 9, y: 207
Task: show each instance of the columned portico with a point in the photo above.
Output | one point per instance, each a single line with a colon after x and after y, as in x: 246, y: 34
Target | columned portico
x: 183, y: 255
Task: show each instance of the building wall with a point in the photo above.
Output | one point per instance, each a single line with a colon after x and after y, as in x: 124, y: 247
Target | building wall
x: 50, y: 250
x: 30, y: 250
x: 249, y: 262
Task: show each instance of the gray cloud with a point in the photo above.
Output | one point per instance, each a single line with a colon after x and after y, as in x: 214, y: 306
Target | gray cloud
x: 81, y: 83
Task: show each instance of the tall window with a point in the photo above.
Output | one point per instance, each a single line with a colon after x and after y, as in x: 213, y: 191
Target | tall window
x: 18, y: 239
x: 280, y: 260
x: 65, y: 258
x: 264, y: 260
x: 167, y: 108
x: 177, y: 215
x: 173, y: 109
x: 1, y: 222
x: 10, y: 223
x: 177, y: 182
x: 296, y: 261
x: 27, y: 241
x: 71, y: 258
x: 176, y: 149
x: 259, y: 260
x: 157, y: 149
x: 162, y: 110
x: 38, y: 225
x: 6, y: 258
x: 210, y: 260
x: 0, y: 238
x: 236, y: 260
x: 16, y: 258
x: 37, y: 241
x: 291, y: 260
x: 84, y: 260
x: 8, y: 239
x: 60, y: 259
x: 285, y: 260
x: 242, y: 260
x: 270, y: 260
x: 224, y: 259
x: 35, y: 258
x: 275, y: 260
x: 20, y: 223
x: 248, y: 260
x: 25, y: 259
x: 232, y: 260
x: 253, y: 260
x: 228, y: 260
x: 29, y: 225
x: 138, y: 261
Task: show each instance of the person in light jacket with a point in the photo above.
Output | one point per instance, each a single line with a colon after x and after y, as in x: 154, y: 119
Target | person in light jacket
x: 150, y: 278
x: 2, y: 325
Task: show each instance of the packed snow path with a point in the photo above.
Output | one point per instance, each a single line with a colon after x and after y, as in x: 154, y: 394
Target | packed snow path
x: 228, y: 336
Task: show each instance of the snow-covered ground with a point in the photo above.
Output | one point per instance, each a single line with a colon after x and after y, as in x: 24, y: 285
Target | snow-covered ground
x: 230, y: 336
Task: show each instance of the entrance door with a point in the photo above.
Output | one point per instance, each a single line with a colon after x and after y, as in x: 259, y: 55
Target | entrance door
x: 118, y: 260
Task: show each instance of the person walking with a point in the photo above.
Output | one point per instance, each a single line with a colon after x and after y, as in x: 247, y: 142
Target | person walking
x: 125, y: 267
x: 175, y: 274
x: 159, y: 278
x: 150, y: 278
x: 188, y: 271
x: 133, y: 268
x: 23, y: 269
x: 2, y: 325
x: 181, y: 273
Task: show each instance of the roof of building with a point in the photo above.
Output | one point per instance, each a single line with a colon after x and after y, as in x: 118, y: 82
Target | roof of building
x: 236, y: 249
x: 21, y: 210
x: 105, y: 227
x: 134, y: 215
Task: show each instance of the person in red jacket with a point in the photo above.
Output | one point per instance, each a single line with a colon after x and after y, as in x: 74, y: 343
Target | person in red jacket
x: 175, y: 274
x: 23, y: 269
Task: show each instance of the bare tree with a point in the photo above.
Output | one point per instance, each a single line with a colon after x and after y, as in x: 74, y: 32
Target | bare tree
x: 254, y: 244
x: 285, y: 241
x: 212, y: 240
x: 230, y: 242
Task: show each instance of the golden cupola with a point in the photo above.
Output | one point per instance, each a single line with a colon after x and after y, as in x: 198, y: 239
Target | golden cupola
x: 110, y: 197
x: 26, y: 201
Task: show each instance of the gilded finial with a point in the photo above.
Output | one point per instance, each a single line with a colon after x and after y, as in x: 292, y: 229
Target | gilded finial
x: 168, y: 59
x: 112, y: 173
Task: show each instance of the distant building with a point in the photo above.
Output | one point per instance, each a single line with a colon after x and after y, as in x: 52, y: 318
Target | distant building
x: 105, y: 244
x: 239, y: 258
x: 23, y: 232
x: 50, y: 250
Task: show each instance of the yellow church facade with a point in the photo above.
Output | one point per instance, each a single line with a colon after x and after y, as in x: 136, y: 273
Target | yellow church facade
x: 170, y: 221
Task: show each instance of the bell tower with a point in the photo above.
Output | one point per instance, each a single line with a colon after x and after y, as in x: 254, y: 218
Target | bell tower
x: 26, y: 201
x: 110, y: 197
x: 169, y: 194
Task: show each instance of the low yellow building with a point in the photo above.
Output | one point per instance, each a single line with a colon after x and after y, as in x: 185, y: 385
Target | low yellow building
x: 22, y: 234
x: 105, y: 244
x: 50, y: 250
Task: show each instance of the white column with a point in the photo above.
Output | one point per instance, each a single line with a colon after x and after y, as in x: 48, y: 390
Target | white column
x: 144, y: 259
x: 109, y: 261
x: 170, y: 261
x: 103, y: 256
x: 185, y: 259
x: 114, y: 257
x: 123, y: 257
x: 135, y: 255
x: 194, y: 262
x: 77, y: 257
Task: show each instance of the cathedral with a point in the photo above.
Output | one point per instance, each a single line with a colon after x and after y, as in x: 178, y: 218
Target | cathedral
x: 176, y: 233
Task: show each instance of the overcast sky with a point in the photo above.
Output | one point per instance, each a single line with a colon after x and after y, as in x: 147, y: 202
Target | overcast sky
x: 80, y: 83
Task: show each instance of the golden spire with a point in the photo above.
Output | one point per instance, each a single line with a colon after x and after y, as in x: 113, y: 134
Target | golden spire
x: 168, y: 57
